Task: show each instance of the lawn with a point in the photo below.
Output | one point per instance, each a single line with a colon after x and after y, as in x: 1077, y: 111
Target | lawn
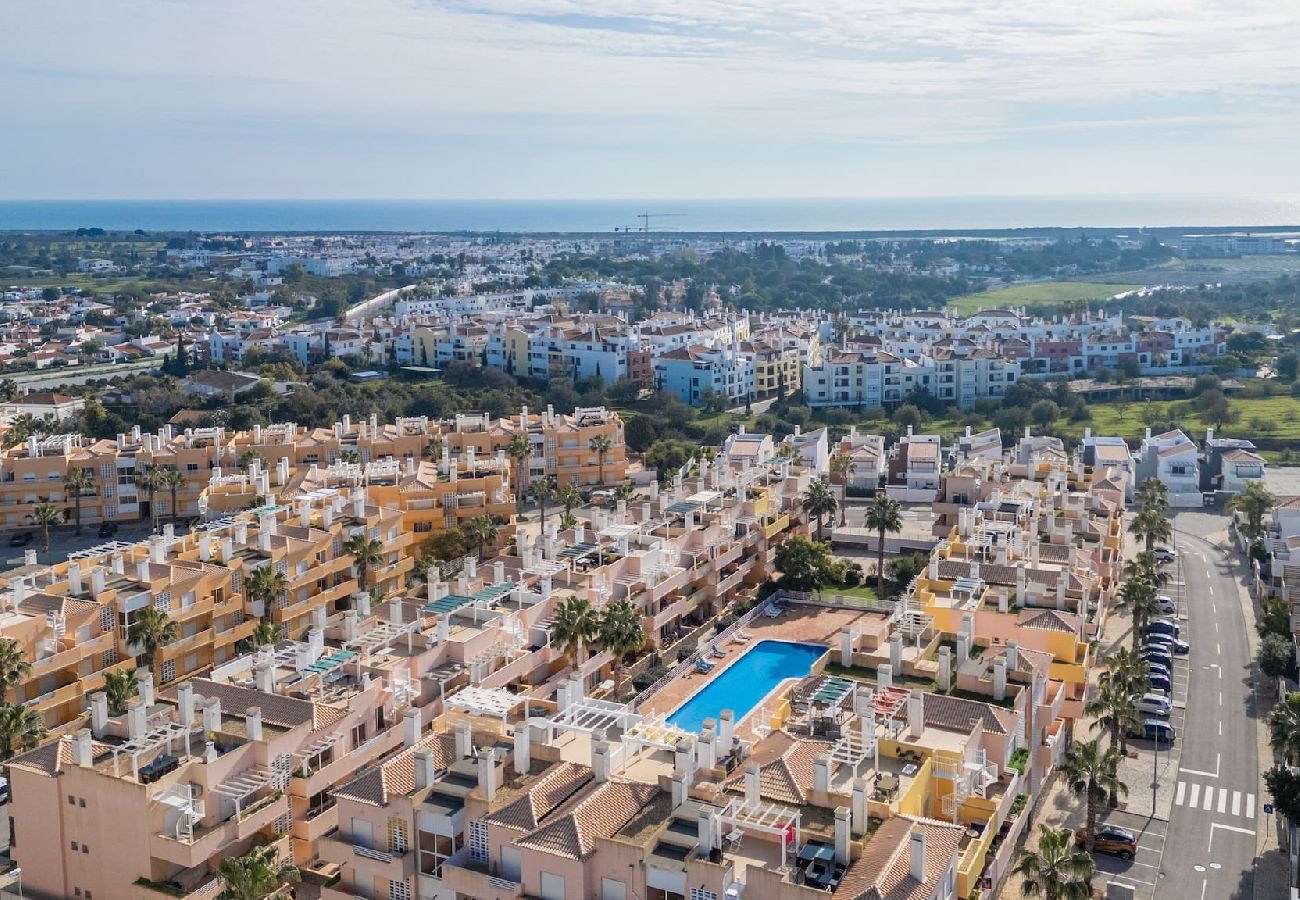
x: 1279, y: 416
x: 861, y: 591
x: 1038, y: 294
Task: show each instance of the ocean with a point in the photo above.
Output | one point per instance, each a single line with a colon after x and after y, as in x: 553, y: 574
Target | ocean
x: 685, y: 216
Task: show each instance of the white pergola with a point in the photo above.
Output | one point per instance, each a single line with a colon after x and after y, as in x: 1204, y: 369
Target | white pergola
x: 767, y: 818
x: 657, y: 733
x: 477, y: 701
x: 248, y: 782
x: 856, y: 747
x: 382, y: 635
x: 588, y: 716
x: 162, y: 737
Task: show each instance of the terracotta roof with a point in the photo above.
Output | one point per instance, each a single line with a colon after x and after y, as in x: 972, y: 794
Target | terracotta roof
x: 543, y: 798
x: 397, y: 775
x: 277, y: 709
x: 785, y: 767
x: 600, y: 813
x: 1050, y: 620
x: 958, y: 714
x: 53, y: 756
x: 883, y: 871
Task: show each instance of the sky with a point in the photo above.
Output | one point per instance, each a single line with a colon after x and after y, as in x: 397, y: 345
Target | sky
x: 229, y: 99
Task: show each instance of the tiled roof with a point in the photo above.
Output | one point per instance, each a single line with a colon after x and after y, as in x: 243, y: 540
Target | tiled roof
x: 277, y: 709
x: 883, y: 872
x: 785, y: 767
x: 957, y: 714
x: 1050, y: 620
x: 397, y: 775
x: 52, y: 757
x: 541, y: 799
x: 601, y: 813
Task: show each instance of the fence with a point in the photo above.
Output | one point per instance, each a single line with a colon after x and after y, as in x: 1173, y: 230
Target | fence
x: 721, y: 637
x: 839, y: 601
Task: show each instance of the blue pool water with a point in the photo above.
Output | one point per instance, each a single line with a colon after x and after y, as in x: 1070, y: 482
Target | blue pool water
x: 747, y: 681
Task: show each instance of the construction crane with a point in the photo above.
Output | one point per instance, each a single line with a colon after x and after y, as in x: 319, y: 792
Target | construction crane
x: 645, y: 218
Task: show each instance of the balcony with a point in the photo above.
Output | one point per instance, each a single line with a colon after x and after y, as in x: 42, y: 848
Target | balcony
x: 473, y: 880
x: 366, y: 863
x: 72, y: 655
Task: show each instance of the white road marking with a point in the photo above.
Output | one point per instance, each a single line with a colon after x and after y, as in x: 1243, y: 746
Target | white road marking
x: 1218, y: 649
x: 1211, y: 589
x: 1250, y: 806
x: 1196, y: 793
x: 1204, y: 882
x: 1220, y: 698
x: 1212, y: 607
x: 1236, y: 803
x: 1209, y: 798
x: 1215, y: 774
x: 1178, y: 797
x: 1216, y: 626
x: 1220, y: 729
x: 1223, y: 801
x: 1235, y: 828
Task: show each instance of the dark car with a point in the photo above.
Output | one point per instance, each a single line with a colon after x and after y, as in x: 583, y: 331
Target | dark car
x: 20, y: 539
x: 1168, y: 640
x: 1158, y: 653
x: 1163, y: 554
x: 107, y: 529
x: 1162, y: 733
x: 1109, y: 839
x: 1159, y: 682
x: 1164, y: 626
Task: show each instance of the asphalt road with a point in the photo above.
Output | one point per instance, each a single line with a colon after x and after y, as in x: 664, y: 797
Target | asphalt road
x: 1209, y: 847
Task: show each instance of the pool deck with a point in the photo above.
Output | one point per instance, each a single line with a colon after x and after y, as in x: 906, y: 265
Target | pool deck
x: 798, y: 624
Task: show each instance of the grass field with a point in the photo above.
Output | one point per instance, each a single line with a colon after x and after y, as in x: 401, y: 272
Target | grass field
x: 1208, y: 271
x: 1042, y: 293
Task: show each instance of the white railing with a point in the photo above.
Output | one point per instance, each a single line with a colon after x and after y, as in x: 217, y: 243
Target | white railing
x: 721, y: 637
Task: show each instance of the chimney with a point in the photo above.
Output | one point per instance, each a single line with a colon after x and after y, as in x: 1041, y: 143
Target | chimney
x: 142, y: 571
x: 487, y: 772
x: 1000, y: 678
x: 264, y: 679
x: 705, y: 748
x: 241, y: 534
x: 726, y: 732
x: 205, y: 546
x: 212, y: 715
x: 362, y: 600
x: 119, y: 565
x: 523, y: 749
x: 395, y: 610
x: 135, y: 718
x: 884, y: 676
x: 253, y: 723
x: 464, y: 741
x: 600, y: 759
x: 916, y: 847
x: 1013, y: 655
x: 349, y: 625
x: 915, y: 714
x: 423, y: 769
x: 318, y: 614
x: 705, y: 830
x: 752, y: 776
x: 97, y: 580
x: 19, y: 588
x: 82, y: 755
x: 144, y: 686
x: 842, y: 835
x: 859, y: 807
x: 945, y: 668
x: 896, y: 653
x: 98, y: 712
x: 157, y: 548
x: 498, y: 572
x: 411, y: 727
x: 74, y: 578
x: 822, y: 773
x: 227, y: 549
x: 185, y: 703
x: 678, y: 791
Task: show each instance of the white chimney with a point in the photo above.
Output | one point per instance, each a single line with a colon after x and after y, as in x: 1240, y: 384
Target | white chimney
x: 884, y: 676
x: 822, y: 773
x: 896, y: 653
x: 726, y: 732
x: 142, y: 571
x: 74, y: 578
x: 1013, y: 655
x: 411, y: 727
x: 97, y: 580
x: 253, y: 723
x: 82, y: 755
x: 362, y: 600
x: 945, y: 668
x: 264, y: 679
x: 464, y: 741
x: 842, y: 835
x: 600, y: 759
x: 523, y: 749
x: 916, y: 846
x: 423, y: 769
x: 487, y: 772
x: 212, y: 715
x: 185, y: 703
x: 205, y: 546
x: 915, y: 714
x: 144, y: 686
x: 98, y: 712
x: 135, y: 719
x: 859, y: 806
x: 752, y: 780
x: 1000, y: 678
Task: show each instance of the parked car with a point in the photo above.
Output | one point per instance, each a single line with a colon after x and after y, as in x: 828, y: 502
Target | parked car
x: 1175, y: 646
x: 1165, y: 603
x: 1159, y: 682
x: 1109, y: 839
x: 1155, y: 730
x: 1158, y: 653
x: 107, y: 529
x: 1155, y: 668
x: 4, y: 790
x: 1163, y: 626
x: 20, y: 539
x: 1154, y: 705
x: 1163, y: 554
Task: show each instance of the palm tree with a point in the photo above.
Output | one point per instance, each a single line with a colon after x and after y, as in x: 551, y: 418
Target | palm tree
x: 519, y: 450
x: 120, y: 687
x: 1092, y: 773
x: 1253, y: 503
x: 255, y: 876
x: 1147, y: 566
x: 171, y: 481
x: 151, y: 630
x: 620, y: 632
x: 480, y: 530
x: 1139, y: 595
x: 883, y: 515
x: 542, y: 489
x: 1055, y: 869
x: 1151, y: 524
x: 624, y: 492
x: 149, y: 480
x: 1153, y: 494
x: 22, y: 427
x: 79, y: 480
x: 14, y: 667
x: 265, y: 634
x: 366, y: 553
x: 568, y: 496
x: 820, y: 502
x: 433, y: 449
x: 1284, y: 728
x: 45, y: 516
x: 600, y: 445
x: 1115, y: 710
x: 265, y: 585
x: 842, y: 466
x: 574, y: 626
x: 21, y: 728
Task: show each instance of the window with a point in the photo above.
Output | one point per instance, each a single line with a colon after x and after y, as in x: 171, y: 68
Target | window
x: 168, y: 671
x: 612, y: 890
x: 397, y: 839
x: 552, y: 886
x: 361, y: 833
x: 74, y: 847
x: 436, y: 849
x: 163, y: 600
x: 72, y: 801
x: 478, y: 842
x: 399, y: 890
x: 109, y: 491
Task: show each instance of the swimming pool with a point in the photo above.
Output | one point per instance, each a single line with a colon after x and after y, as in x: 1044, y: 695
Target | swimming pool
x: 747, y: 681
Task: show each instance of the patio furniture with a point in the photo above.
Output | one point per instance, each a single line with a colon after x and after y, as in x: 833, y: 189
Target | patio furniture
x: 713, y: 648
x: 703, y: 666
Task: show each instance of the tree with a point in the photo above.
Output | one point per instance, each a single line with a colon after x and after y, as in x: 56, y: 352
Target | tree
x: 569, y: 496
x: 1254, y: 503
x: 171, y: 481
x: 819, y: 502
x: 842, y: 466
x: 600, y: 445
x: 1126, y: 671
x: 1276, y: 655
x: 542, y: 489
x: 21, y: 728
x: 519, y: 450
x: 480, y: 530
x: 256, y: 875
x: 884, y: 515
x: 1153, y: 494
x: 120, y: 687
x: 1274, y: 616
x: 266, y: 585
x: 1139, y: 595
x: 620, y: 632
x: 45, y: 516
x: 1284, y: 785
x: 151, y: 629
x: 907, y: 416
x: 14, y: 667
x: 1115, y: 711
x: 80, y: 480
x: 1147, y: 565
x: 1284, y: 728
x: 575, y: 626
x: 149, y: 480
x: 1215, y: 409
x: 1092, y: 773
x: 1288, y: 365
x: 1055, y: 870
x: 804, y: 565
x: 1151, y: 525
x: 1044, y: 412
x: 367, y: 554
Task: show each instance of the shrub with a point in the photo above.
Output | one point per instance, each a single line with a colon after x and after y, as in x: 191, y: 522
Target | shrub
x: 649, y: 677
x: 853, y: 574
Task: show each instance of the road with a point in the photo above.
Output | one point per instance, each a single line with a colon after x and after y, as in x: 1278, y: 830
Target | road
x: 1209, y: 847
x: 44, y: 379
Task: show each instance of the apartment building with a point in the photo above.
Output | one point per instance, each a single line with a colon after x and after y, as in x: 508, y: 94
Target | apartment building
x: 1230, y: 464
x: 560, y: 444
x: 1173, y: 459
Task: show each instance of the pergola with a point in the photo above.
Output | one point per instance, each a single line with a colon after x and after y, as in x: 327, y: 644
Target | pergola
x: 163, y: 736
x: 240, y: 787
x: 444, y: 675
x: 858, y: 745
x: 478, y: 701
x: 587, y: 716
x: 768, y: 818
x: 382, y: 635
x: 656, y: 732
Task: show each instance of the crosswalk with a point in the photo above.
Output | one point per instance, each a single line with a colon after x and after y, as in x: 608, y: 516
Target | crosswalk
x: 1217, y: 800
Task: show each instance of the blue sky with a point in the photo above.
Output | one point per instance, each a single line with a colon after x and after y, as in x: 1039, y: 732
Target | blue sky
x: 648, y: 98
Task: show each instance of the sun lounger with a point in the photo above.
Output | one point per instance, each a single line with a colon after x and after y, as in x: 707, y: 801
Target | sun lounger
x: 740, y: 636
x: 713, y: 648
x: 703, y: 665
x: 772, y: 611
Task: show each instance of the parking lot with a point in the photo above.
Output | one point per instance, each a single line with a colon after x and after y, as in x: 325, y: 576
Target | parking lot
x: 1143, y: 871
x: 65, y: 540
